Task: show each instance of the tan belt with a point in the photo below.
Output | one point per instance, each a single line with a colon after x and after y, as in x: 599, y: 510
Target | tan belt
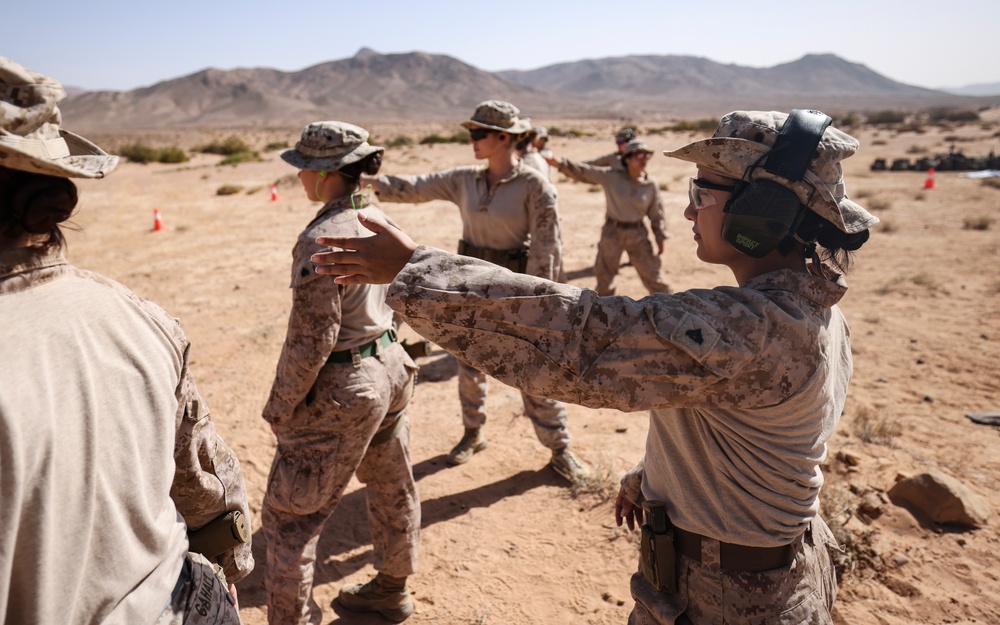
x: 737, y: 557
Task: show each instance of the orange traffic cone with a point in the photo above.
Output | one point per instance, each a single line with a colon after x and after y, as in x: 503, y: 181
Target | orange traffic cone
x: 274, y: 193
x: 929, y: 182
x: 157, y: 221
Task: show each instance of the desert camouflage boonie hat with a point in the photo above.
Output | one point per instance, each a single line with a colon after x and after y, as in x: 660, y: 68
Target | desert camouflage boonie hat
x: 30, y: 136
x: 624, y: 135
x: 541, y: 132
x: 635, y: 145
x: 329, y: 145
x: 498, y: 115
x: 744, y: 136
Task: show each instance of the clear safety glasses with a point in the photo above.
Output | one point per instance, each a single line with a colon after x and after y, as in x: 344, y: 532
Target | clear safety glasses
x: 699, y: 192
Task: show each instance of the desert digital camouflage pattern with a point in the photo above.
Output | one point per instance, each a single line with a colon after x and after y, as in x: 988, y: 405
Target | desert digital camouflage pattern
x: 325, y: 415
x: 202, y: 599
x: 31, y: 138
x: 500, y: 116
x: 801, y: 593
x: 628, y: 203
x: 745, y: 384
x: 743, y: 137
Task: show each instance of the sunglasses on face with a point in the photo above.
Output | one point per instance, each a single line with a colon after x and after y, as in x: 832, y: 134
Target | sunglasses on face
x: 699, y: 192
x: 478, y: 134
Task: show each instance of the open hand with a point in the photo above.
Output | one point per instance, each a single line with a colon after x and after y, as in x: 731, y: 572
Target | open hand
x: 627, y: 511
x: 366, y: 260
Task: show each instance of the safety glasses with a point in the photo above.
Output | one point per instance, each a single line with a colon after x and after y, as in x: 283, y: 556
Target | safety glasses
x: 478, y: 134
x: 699, y: 192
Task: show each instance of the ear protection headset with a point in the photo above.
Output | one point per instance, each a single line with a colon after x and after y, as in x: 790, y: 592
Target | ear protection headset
x: 760, y: 213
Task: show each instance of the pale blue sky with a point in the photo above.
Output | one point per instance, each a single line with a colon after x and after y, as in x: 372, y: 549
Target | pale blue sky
x: 118, y: 44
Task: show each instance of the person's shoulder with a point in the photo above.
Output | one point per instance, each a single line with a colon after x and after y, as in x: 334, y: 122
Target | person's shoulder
x: 535, y: 179
x: 168, y: 324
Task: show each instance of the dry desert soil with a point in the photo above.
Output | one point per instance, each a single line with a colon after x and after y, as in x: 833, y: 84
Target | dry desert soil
x: 504, y: 539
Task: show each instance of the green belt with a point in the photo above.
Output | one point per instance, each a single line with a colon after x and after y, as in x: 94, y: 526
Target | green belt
x: 368, y: 349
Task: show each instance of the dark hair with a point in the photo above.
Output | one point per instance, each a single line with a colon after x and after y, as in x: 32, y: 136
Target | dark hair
x: 522, y: 144
x: 368, y: 166
x: 837, y: 245
x: 35, y: 204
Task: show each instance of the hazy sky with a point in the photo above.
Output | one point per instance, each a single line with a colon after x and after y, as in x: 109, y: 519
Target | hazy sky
x: 118, y: 44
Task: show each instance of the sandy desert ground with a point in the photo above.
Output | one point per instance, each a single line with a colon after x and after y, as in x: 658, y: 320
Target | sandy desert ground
x: 504, y: 540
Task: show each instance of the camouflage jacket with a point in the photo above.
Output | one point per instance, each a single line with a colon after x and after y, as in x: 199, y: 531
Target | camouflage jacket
x: 108, y: 453
x: 745, y: 383
x: 325, y: 316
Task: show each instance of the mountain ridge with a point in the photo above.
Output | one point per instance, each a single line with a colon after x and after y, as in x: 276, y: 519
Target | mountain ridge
x: 375, y: 87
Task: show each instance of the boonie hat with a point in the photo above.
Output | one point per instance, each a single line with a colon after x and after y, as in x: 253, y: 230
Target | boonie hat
x: 744, y: 136
x: 328, y: 146
x: 635, y: 145
x: 498, y: 115
x: 30, y: 135
x: 541, y: 132
x: 624, y: 136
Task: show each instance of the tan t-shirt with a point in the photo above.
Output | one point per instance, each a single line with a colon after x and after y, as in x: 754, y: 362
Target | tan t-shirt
x: 519, y: 211
x: 106, y: 449
x: 627, y: 200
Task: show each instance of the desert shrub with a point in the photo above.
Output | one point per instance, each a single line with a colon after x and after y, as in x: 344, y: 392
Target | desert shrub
x: 705, y: 125
x: 877, y: 204
x: 874, y: 426
x: 229, y: 146
x: 275, y: 146
x: 937, y: 115
x: 462, y: 136
x: 916, y: 149
x: 400, y: 142
x: 880, y: 142
x: 991, y: 182
x: 862, y: 194
x: 977, y: 223
x: 173, y: 155
x: 240, y: 157
x: 139, y: 152
x: 851, y: 119
x: 886, y: 227
x: 228, y: 189
x: 887, y: 117
x: 663, y: 186
x: 555, y: 131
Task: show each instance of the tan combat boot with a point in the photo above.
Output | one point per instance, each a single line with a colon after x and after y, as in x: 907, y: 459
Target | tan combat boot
x: 472, y: 442
x: 386, y: 595
x: 565, y: 463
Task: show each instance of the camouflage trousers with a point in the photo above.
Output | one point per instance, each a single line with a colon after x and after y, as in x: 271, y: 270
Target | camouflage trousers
x: 548, y: 416
x: 355, y: 422
x: 201, y: 597
x: 616, y: 239
x: 801, y: 593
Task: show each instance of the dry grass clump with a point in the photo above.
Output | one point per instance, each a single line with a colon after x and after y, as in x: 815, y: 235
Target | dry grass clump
x: 878, y: 204
x: 993, y: 183
x: 602, y: 484
x: 874, y: 426
x: 977, y: 223
x: 228, y: 189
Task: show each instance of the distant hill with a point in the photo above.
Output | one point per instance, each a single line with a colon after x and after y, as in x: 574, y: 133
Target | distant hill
x: 686, y: 83
x: 981, y: 89
x: 418, y: 86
